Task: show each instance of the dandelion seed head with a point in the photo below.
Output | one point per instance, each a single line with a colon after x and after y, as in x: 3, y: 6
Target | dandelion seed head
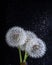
x: 36, y: 48
x: 15, y: 36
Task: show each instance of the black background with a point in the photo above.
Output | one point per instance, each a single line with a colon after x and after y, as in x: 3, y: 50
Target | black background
x: 33, y: 16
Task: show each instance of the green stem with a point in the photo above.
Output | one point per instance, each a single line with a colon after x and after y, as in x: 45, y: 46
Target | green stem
x: 25, y: 57
x: 20, y: 55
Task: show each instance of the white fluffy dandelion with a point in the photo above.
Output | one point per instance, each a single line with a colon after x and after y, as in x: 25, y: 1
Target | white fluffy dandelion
x: 15, y: 36
x: 30, y: 35
x: 36, y: 48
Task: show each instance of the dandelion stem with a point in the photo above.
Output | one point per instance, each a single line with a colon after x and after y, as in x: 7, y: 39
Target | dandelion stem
x: 20, y: 55
x: 25, y: 57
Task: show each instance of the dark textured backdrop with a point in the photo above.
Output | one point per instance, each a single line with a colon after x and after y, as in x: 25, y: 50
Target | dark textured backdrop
x: 34, y: 16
